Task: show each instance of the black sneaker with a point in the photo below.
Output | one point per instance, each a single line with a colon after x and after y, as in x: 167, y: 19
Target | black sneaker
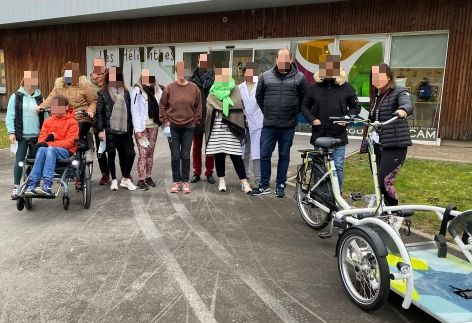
x: 280, y: 191
x: 210, y: 179
x: 260, y: 191
x: 195, y: 179
x: 142, y: 186
x: 150, y: 182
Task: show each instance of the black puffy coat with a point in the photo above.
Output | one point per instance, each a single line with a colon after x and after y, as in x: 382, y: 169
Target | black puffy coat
x: 104, y: 110
x: 280, y: 95
x: 396, y: 134
x: 204, y: 91
x: 333, y: 98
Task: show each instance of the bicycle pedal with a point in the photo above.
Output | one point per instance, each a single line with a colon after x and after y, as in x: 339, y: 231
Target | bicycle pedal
x: 324, y: 235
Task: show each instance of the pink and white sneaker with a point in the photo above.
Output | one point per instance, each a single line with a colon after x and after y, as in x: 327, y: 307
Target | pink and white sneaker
x: 175, y: 187
x: 186, y: 188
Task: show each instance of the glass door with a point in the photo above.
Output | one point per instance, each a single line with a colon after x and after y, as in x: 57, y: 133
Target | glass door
x: 239, y: 59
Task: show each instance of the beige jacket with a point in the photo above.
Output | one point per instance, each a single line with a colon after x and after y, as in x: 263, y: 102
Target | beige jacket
x: 82, y: 97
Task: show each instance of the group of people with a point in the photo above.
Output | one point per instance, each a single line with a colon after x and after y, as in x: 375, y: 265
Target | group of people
x: 243, y: 121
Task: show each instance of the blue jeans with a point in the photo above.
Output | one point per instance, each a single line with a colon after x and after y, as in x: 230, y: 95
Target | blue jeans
x: 338, y: 157
x: 269, y: 137
x: 45, y: 162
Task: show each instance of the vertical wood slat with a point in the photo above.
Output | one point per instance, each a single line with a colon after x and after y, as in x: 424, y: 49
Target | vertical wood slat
x: 47, y: 48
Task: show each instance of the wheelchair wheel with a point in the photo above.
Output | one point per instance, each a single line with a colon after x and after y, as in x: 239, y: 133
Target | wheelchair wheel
x: 20, y: 204
x: 65, y: 202
x: 28, y: 203
x: 86, y: 186
x: 311, y: 214
x: 365, y: 275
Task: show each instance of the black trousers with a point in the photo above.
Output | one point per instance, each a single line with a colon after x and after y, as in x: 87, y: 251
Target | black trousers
x: 180, y: 145
x: 389, y: 163
x: 124, y: 146
x: 238, y: 163
x: 102, y: 158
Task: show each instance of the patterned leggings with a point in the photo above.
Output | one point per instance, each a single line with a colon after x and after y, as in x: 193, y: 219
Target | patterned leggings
x: 389, y: 162
x: 146, y: 154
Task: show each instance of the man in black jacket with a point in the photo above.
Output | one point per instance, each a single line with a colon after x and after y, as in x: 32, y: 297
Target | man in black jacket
x: 279, y: 94
x: 203, y: 77
x: 330, y: 96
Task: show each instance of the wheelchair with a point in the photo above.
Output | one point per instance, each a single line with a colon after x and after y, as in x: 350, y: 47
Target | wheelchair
x: 77, y: 168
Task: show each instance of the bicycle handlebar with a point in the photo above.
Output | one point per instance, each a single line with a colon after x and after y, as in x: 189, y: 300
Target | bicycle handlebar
x: 354, y: 118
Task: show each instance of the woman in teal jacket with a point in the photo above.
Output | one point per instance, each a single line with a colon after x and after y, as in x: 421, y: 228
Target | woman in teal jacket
x: 23, y: 122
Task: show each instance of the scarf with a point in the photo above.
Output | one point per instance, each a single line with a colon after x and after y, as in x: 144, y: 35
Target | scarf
x: 119, y: 114
x: 153, y: 106
x: 98, y: 79
x: 206, y: 78
x: 222, y: 91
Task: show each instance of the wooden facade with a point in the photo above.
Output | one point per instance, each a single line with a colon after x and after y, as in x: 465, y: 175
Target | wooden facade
x: 47, y: 48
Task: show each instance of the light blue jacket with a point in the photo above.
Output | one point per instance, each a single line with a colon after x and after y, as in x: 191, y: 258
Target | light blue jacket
x: 30, y: 116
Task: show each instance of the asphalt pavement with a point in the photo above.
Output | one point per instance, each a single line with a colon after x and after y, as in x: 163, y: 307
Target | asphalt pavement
x: 154, y: 256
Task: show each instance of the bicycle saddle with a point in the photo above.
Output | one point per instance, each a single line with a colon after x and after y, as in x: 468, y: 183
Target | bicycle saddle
x: 327, y: 142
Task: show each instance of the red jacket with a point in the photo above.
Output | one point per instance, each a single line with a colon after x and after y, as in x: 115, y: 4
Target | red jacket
x: 65, y: 130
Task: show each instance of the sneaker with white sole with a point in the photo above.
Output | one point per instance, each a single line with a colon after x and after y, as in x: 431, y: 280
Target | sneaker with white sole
x: 245, y: 187
x: 127, y: 183
x: 260, y: 191
x: 14, y: 194
x: 175, y: 187
x: 114, y: 185
x: 186, y: 188
x: 222, y: 186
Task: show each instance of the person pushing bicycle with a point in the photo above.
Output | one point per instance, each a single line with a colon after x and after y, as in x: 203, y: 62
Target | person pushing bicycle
x: 330, y: 96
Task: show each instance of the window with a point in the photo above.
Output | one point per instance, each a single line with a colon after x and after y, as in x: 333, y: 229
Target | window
x: 265, y: 58
x: 418, y: 62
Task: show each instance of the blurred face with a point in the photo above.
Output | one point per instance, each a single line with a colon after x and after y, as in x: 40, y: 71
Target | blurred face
x: 58, y: 109
x: 71, y: 73
x: 331, y: 67
x: 98, y: 66
x: 203, y: 62
x: 112, y: 77
x: 379, y: 79
x: 222, y: 75
x: 145, y: 77
x: 30, y: 81
x: 249, y: 75
x: 283, y: 61
x: 180, y: 71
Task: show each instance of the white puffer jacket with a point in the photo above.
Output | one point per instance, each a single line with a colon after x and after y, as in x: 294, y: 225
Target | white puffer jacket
x: 139, y: 106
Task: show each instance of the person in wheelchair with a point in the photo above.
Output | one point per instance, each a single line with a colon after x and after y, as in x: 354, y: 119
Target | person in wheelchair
x: 56, y: 141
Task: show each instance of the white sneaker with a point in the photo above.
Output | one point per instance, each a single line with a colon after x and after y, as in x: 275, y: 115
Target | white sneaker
x: 245, y: 187
x: 127, y: 183
x: 222, y: 186
x: 114, y: 185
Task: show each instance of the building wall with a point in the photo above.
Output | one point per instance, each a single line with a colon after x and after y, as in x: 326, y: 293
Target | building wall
x: 47, y: 48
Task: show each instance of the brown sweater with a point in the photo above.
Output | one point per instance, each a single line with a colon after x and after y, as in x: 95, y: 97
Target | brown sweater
x: 180, y: 105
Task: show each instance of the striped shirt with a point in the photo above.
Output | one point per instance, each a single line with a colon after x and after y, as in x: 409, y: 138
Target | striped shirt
x: 222, y: 140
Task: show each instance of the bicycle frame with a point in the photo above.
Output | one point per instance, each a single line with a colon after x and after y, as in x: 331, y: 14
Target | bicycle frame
x: 333, y: 178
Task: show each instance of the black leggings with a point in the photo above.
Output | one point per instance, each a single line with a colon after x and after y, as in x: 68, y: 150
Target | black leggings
x: 124, y: 146
x: 389, y: 162
x: 102, y: 158
x: 238, y: 164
